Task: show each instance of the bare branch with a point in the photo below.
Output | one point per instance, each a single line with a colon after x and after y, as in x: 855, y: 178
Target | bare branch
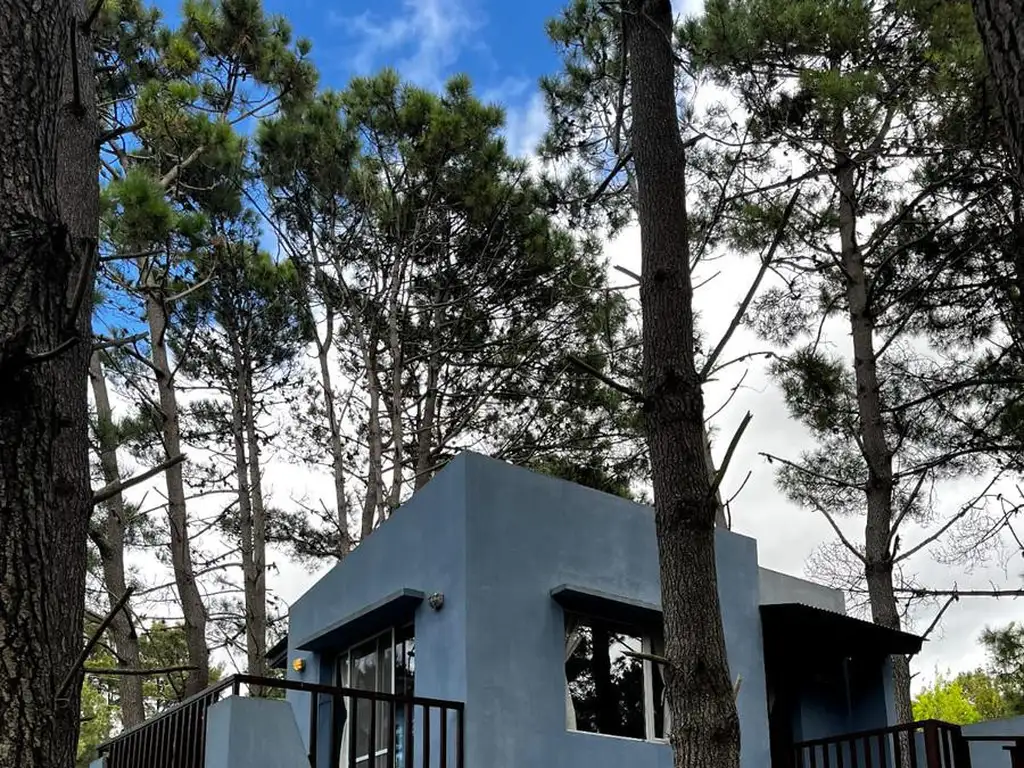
x: 627, y: 272
x: 137, y: 672
x: 76, y: 667
x: 949, y: 523
x: 741, y: 311
x: 111, y: 490
x: 839, y: 532
x: 114, y: 133
x: 629, y: 392
x: 935, y: 622
x: 728, y: 454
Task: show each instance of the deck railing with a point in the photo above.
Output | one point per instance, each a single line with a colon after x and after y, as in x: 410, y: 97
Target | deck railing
x: 924, y: 744
x: 363, y: 729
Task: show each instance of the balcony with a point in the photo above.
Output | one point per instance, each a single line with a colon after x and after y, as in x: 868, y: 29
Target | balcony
x: 349, y: 728
x: 924, y: 744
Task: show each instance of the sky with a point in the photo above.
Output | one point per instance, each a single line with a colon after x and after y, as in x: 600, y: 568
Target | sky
x: 502, y: 46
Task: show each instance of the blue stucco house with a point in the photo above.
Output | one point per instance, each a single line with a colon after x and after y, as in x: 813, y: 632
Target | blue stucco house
x: 526, y: 599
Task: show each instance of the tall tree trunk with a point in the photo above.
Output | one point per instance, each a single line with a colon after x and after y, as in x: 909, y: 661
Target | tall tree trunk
x: 245, y: 525
x: 256, y: 585
x: 108, y: 535
x: 336, y: 446
x: 1001, y: 23
x: 192, y: 607
x: 375, y: 469
x: 705, y: 725
x: 878, y: 556
x: 49, y: 205
x: 428, y: 417
x: 396, y: 394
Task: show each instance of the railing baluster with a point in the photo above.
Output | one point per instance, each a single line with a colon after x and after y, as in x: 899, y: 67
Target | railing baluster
x: 407, y: 752
x: 353, y: 733
x: 460, y: 744
x: 443, y: 761
x: 392, y: 727
x: 867, y: 752
x: 372, y: 737
x: 947, y: 757
x: 912, y: 747
x: 426, y: 736
x: 176, y: 737
x: 314, y: 728
x: 931, y: 745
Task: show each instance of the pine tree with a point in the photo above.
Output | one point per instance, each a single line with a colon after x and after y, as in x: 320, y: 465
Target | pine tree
x: 176, y: 163
x: 439, y: 285
x: 848, y: 99
x: 242, y: 328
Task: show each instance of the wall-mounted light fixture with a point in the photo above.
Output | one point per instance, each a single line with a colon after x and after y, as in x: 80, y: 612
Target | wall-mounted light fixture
x: 298, y: 664
x: 436, y: 601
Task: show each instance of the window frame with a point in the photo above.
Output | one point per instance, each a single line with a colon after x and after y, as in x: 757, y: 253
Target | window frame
x: 646, y: 636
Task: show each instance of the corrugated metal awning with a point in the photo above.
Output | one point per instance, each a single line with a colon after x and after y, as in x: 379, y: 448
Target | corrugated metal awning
x: 797, y: 631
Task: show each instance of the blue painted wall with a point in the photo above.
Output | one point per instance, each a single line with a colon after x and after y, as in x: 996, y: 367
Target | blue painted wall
x: 252, y: 733
x: 987, y: 754
x: 528, y: 533
x: 495, y: 540
x: 422, y: 546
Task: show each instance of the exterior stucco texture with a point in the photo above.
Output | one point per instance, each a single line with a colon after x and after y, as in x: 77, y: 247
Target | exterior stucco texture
x: 496, y: 540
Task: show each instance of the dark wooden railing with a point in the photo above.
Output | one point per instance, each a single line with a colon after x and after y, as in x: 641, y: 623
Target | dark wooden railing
x: 924, y: 744
x: 365, y: 729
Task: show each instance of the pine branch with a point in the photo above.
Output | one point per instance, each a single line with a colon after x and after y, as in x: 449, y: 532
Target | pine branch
x: 72, y: 673
x: 833, y: 481
x: 935, y: 622
x: 835, y: 527
x: 138, y: 672
x: 741, y: 311
x: 111, y: 490
x: 91, y: 18
x: 114, y: 133
x: 586, y: 367
x: 720, y: 474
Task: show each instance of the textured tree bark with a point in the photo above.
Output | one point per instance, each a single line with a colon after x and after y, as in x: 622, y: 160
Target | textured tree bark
x: 108, y: 534
x: 705, y: 725
x: 1001, y: 24
x: 192, y: 607
x: 878, y: 555
x: 49, y: 202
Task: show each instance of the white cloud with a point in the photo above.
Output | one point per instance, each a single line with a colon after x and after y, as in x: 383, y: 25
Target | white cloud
x: 422, y: 42
x: 787, y: 534
x: 525, y: 125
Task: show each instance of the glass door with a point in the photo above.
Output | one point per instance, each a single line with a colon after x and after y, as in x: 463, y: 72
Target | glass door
x: 383, y: 664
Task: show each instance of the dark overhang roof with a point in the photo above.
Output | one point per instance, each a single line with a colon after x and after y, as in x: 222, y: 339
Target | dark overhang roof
x: 277, y: 654
x: 798, y: 631
x: 592, y: 602
x: 394, y: 609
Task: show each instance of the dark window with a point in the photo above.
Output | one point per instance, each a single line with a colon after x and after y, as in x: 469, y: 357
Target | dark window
x: 611, y: 688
